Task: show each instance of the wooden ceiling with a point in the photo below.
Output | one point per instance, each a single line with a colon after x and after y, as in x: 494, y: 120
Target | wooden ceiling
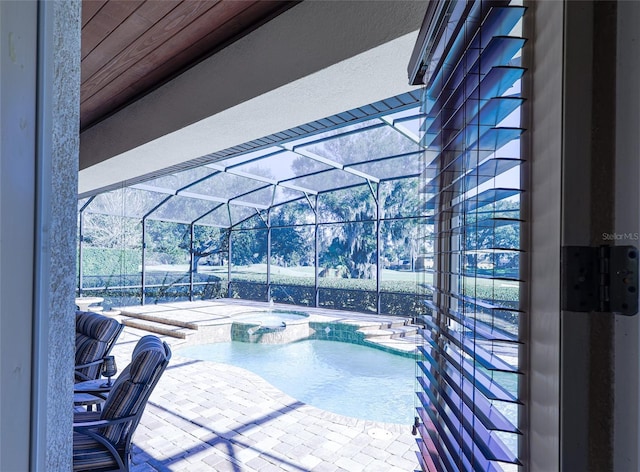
x: 130, y: 47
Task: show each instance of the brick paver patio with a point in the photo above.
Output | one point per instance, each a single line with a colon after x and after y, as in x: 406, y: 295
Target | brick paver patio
x: 205, y: 416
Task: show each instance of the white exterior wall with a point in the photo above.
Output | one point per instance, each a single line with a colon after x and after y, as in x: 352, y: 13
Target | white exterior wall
x: 545, y: 53
x: 18, y: 43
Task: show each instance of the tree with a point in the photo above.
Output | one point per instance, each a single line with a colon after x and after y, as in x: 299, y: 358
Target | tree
x: 291, y: 246
x: 112, y: 219
x: 163, y: 240
x: 401, y: 231
x: 350, y: 247
x: 207, y: 241
x: 249, y: 246
x: 490, y: 232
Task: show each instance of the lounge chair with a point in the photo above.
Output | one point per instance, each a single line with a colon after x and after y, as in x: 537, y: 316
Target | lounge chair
x: 95, y: 336
x: 102, y: 440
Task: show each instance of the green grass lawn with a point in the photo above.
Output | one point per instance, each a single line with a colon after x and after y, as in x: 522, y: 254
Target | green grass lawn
x: 391, y: 280
x: 303, y: 271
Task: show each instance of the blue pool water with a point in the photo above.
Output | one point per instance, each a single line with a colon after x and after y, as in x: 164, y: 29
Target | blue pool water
x: 343, y: 378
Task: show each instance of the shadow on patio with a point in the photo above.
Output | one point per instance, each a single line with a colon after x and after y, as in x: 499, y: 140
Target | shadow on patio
x: 206, y: 416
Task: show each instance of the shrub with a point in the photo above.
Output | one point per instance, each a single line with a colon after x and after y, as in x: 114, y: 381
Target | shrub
x: 293, y: 294
x: 397, y: 297
x: 248, y: 291
x: 352, y: 300
x: 108, y: 261
x: 402, y: 304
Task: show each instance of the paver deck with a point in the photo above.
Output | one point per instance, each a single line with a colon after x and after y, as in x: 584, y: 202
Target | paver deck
x: 206, y: 416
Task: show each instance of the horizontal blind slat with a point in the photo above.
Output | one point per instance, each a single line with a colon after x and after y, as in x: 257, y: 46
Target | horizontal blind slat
x: 478, y: 454
x: 497, y: 81
x: 485, y: 358
x: 429, y: 431
x: 462, y: 370
x: 460, y: 61
x: 457, y: 391
x: 471, y: 134
x: 489, y: 332
x: 490, y: 445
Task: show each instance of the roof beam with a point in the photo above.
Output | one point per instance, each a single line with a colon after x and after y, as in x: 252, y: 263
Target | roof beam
x: 336, y: 165
x: 405, y: 132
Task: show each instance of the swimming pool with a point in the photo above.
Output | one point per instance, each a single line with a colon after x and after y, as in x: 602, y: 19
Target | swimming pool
x: 348, y: 379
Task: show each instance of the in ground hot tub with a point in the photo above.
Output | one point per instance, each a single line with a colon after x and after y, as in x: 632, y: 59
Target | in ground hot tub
x: 270, y: 326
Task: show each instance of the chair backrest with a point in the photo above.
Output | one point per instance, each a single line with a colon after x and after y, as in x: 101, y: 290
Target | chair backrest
x: 95, y: 336
x: 132, y: 388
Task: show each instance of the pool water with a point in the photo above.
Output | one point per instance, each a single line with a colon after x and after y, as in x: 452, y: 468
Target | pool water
x: 348, y: 379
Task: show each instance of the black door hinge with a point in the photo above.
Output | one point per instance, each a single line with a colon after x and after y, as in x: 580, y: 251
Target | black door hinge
x: 600, y: 278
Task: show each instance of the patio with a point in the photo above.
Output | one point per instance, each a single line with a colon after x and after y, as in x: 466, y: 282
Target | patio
x: 207, y: 416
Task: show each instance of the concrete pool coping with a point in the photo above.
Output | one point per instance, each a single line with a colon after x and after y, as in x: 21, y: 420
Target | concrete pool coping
x: 205, y: 416
x: 208, y: 321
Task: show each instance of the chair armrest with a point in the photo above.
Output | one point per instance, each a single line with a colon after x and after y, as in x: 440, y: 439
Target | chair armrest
x: 89, y: 364
x: 92, y: 386
x: 86, y: 425
x: 82, y: 376
x: 87, y: 429
x: 94, y: 391
x: 88, y: 398
x: 90, y: 425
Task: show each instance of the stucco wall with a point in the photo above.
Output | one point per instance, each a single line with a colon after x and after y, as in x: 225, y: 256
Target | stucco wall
x: 57, y: 231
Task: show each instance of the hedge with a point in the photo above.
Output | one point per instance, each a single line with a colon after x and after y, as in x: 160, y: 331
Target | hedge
x: 101, y: 261
x: 397, y: 297
x: 161, y: 278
